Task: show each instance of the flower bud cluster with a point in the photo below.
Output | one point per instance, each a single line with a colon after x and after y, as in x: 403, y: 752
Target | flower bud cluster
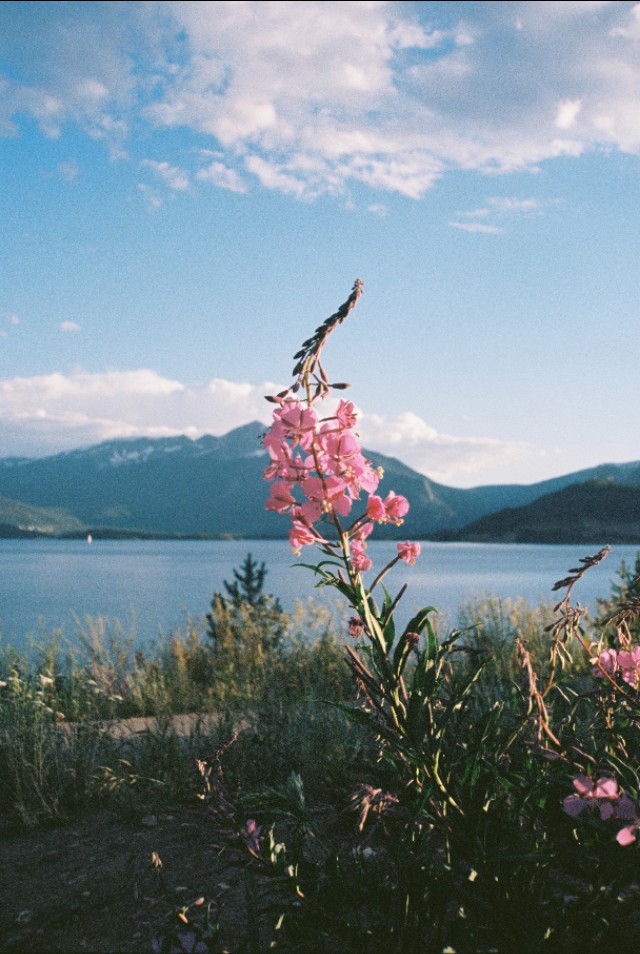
x: 321, y: 461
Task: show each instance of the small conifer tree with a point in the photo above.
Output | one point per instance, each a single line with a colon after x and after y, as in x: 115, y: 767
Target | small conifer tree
x: 245, y: 597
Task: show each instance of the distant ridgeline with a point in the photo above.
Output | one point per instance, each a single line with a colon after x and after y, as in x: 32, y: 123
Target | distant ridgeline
x: 213, y: 488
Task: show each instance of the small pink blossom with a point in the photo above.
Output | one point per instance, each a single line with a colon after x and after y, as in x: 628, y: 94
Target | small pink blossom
x: 300, y: 535
x: 625, y: 663
x: 629, y: 662
x: 328, y: 492
x: 607, y: 660
x: 297, y: 421
x: 280, y: 499
x: 359, y: 559
x: 409, y: 552
x: 605, y: 797
x: 627, y: 835
x: 396, y: 507
x: 346, y: 414
x: 375, y: 509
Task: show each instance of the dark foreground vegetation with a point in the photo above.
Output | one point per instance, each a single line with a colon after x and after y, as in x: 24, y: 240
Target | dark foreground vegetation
x: 284, y: 805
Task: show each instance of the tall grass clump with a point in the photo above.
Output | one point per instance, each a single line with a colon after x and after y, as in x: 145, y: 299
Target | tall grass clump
x: 100, y: 722
x: 494, y: 802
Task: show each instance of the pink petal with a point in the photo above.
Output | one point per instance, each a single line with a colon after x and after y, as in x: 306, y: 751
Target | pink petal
x: 583, y: 785
x: 606, y: 788
x: 626, y: 835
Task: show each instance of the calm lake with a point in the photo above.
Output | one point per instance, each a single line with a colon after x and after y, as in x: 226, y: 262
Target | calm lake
x: 153, y: 586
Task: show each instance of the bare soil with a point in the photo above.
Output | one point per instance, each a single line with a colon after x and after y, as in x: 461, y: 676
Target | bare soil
x: 108, y: 882
x: 95, y: 884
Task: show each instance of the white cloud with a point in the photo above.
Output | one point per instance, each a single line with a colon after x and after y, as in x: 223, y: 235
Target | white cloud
x: 69, y: 326
x: 13, y: 320
x: 500, y: 207
x: 442, y: 457
x: 317, y: 97
x: 174, y: 177
x: 478, y: 227
x: 222, y: 176
x: 54, y: 412
x: 567, y: 113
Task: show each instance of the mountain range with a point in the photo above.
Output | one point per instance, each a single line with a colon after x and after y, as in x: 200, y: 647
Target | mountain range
x: 213, y: 487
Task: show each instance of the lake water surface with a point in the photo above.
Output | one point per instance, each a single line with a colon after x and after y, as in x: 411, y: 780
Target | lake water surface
x: 155, y: 585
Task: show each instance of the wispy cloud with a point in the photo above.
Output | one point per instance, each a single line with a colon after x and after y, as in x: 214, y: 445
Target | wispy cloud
x: 54, y: 412
x: 69, y: 326
x: 174, y: 177
x: 319, y: 97
x: 478, y: 227
x: 499, y: 208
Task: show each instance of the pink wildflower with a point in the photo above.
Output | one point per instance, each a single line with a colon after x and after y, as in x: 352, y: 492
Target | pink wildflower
x: 627, y: 835
x: 605, y: 797
x: 346, y: 414
x: 300, y: 535
x: 280, y: 499
x: 590, y: 793
x: 359, y: 559
x: 326, y: 493
x: 409, y: 552
x: 297, y: 422
x: 375, y: 509
x: 396, y: 507
x: 629, y: 662
x: 607, y: 660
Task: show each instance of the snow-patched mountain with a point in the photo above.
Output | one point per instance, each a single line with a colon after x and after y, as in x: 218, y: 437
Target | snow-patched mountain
x: 213, y: 486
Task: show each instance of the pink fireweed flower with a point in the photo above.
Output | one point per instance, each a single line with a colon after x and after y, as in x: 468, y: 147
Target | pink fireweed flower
x: 359, y: 559
x: 409, y: 552
x: 396, y: 507
x: 625, y: 663
x: 591, y: 793
x: 607, y: 660
x: 629, y: 662
x: 375, y: 509
x: 300, y: 535
x: 281, y: 500
x: 390, y: 510
x: 296, y: 421
x: 291, y: 469
x: 327, y: 493
x: 605, y: 797
x: 627, y: 835
x: 337, y: 450
x: 346, y: 415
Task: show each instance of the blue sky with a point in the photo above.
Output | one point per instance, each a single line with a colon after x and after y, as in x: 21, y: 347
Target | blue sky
x: 189, y: 189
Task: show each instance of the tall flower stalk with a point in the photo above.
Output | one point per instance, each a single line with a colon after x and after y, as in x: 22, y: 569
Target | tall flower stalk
x: 321, y: 479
